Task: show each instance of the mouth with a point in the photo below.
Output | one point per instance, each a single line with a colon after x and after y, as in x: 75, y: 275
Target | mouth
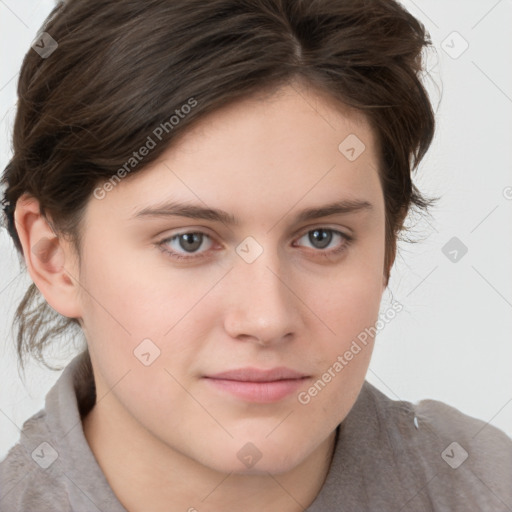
x: 257, y: 385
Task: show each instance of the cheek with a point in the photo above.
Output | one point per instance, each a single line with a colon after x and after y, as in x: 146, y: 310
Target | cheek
x: 117, y: 303
x: 128, y: 300
x: 124, y: 290
x: 349, y: 305
x: 350, y: 302
x: 342, y: 357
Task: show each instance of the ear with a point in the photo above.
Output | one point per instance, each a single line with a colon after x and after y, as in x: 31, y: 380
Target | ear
x: 50, y: 261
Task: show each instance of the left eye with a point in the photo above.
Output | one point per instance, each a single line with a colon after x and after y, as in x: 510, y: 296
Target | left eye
x: 324, y: 236
x: 191, y: 241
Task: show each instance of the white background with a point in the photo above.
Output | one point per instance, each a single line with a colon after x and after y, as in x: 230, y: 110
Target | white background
x: 452, y: 341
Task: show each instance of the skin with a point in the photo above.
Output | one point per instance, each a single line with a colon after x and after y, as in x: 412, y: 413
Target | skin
x: 163, y: 436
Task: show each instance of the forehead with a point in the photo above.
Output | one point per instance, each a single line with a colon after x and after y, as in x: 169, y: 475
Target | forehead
x: 295, y: 116
x: 261, y: 154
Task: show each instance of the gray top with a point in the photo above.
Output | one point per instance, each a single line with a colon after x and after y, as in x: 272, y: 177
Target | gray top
x: 389, y: 456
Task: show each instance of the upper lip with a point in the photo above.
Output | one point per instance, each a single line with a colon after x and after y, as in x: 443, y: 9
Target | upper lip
x: 250, y: 374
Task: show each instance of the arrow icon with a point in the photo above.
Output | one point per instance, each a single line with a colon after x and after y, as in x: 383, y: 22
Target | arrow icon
x: 454, y: 455
x: 44, y: 455
x: 351, y: 147
x: 249, y: 249
x: 454, y: 45
x: 454, y: 249
x: 146, y: 352
x: 249, y: 455
x: 44, y: 45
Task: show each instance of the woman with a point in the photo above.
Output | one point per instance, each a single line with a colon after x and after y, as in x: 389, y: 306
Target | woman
x: 212, y: 192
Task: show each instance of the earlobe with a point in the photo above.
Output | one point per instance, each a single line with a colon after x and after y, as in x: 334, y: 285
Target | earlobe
x: 48, y: 258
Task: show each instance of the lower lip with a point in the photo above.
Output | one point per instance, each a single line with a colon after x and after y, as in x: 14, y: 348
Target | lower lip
x: 263, y: 392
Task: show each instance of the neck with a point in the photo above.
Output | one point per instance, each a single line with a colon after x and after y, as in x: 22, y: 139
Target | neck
x: 152, y: 476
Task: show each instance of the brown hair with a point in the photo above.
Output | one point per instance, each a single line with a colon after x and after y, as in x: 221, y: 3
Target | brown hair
x: 122, y: 69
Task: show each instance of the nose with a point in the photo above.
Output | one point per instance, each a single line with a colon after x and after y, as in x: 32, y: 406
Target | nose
x: 262, y: 306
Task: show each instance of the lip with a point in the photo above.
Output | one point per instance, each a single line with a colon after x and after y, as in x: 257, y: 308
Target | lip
x: 250, y: 374
x: 258, y: 385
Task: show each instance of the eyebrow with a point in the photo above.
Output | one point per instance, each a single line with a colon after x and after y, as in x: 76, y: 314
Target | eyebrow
x: 174, y: 208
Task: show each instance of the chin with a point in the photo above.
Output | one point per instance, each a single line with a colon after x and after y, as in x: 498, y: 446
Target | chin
x: 262, y: 467
x: 251, y: 460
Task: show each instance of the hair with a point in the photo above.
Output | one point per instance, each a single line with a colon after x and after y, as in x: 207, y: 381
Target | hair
x: 121, y: 71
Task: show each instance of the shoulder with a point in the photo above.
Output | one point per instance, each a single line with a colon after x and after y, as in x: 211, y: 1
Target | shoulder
x: 461, y: 458
x: 442, y: 420
x: 52, y: 466
x: 28, y: 482
x: 485, y: 448
x: 450, y: 422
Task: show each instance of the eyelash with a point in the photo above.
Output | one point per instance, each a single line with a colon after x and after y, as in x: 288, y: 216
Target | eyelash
x: 348, y: 239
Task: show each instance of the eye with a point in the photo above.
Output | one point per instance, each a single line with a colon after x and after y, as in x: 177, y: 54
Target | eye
x: 321, y: 237
x: 186, y: 245
x: 189, y: 242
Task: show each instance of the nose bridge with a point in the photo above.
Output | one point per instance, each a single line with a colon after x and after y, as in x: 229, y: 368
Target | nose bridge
x: 262, y: 305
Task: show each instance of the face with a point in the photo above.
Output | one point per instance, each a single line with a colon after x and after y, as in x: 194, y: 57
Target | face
x: 174, y: 298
